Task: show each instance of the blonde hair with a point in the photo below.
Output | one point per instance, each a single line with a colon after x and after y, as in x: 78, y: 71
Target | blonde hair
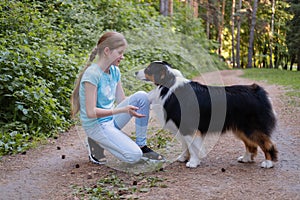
x: 112, y: 40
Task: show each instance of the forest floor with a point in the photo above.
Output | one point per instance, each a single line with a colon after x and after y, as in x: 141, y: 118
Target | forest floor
x: 52, y: 170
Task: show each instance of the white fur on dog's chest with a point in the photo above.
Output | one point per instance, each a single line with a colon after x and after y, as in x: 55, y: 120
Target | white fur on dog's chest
x: 157, y: 106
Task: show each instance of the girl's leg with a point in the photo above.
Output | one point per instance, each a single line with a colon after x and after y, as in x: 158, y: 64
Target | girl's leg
x: 140, y: 100
x: 115, y: 141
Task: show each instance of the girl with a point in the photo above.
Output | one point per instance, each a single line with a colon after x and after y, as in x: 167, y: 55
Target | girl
x: 97, y: 90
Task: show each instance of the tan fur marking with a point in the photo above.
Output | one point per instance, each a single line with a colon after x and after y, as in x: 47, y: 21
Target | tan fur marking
x: 252, y: 150
x: 150, y: 78
x: 198, y: 133
x: 251, y: 146
x: 241, y: 135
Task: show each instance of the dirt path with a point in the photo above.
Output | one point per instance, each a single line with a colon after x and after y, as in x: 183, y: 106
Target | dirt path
x: 42, y: 173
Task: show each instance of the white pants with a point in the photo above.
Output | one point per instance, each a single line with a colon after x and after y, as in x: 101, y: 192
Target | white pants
x: 109, y: 135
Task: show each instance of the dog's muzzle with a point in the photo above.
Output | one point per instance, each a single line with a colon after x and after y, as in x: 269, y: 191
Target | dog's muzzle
x: 141, y: 75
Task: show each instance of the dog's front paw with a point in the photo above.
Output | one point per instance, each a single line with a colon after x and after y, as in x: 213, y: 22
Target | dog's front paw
x: 192, y: 164
x: 245, y: 158
x: 267, y: 164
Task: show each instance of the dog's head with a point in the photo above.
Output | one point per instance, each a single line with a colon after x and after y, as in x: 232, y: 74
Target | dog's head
x: 160, y: 73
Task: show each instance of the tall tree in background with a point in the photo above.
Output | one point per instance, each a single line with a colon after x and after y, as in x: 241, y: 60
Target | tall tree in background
x: 164, y: 7
x: 238, y: 34
x: 194, y: 6
x: 170, y: 7
x: 221, y: 25
x: 251, y: 37
x: 207, y: 18
x: 272, y: 33
x: 232, y: 32
x: 293, y: 35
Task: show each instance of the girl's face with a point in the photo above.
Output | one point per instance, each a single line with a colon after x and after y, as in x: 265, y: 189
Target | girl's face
x: 117, y: 55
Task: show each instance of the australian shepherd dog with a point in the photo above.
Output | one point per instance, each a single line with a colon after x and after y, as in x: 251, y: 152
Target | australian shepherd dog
x: 194, y: 110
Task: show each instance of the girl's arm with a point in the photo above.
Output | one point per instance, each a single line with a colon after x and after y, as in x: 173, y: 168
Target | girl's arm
x: 94, y: 112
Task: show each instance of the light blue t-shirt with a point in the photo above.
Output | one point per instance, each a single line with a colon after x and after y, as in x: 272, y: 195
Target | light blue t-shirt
x: 106, y: 91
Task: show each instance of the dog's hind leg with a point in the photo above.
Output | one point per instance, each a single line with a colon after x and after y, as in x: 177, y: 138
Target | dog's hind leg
x: 194, y: 143
x: 251, y: 152
x: 267, y: 147
x: 251, y: 148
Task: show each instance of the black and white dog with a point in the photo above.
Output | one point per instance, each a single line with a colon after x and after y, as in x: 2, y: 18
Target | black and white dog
x: 194, y: 110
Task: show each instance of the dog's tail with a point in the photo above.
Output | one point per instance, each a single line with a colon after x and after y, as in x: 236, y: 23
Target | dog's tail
x: 267, y: 115
x: 267, y: 119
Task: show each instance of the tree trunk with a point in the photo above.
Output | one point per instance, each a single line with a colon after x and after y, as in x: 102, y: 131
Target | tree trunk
x: 265, y: 52
x: 276, y: 57
x: 164, y: 7
x: 238, y: 36
x: 298, y: 59
x: 170, y: 11
x: 232, y: 32
x: 195, y: 8
x: 207, y: 20
x: 272, y: 34
x: 221, y: 24
x: 251, y: 39
x: 293, y: 58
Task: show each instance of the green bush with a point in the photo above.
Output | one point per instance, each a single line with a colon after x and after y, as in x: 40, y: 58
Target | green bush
x: 36, y: 75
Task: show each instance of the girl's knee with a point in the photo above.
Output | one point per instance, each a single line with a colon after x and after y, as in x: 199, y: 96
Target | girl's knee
x: 142, y: 97
x: 142, y: 93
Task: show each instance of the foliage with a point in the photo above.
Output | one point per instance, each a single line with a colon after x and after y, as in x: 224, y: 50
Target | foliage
x: 33, y: 77
x: 44, y: 44
x: 112, y: 187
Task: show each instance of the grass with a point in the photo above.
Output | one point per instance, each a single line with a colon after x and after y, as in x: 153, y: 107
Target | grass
x: 289, y: 79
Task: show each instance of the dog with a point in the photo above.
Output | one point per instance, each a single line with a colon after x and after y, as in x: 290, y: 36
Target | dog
x: 194, y: 110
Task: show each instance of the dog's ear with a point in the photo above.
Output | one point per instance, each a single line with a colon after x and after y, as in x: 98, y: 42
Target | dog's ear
x: 163, y: 74
x: 160, y: 74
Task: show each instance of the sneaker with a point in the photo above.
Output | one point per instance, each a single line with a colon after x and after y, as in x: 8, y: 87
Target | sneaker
x: 96, y: 161
x: 96, y: 152
x: 149, y: 154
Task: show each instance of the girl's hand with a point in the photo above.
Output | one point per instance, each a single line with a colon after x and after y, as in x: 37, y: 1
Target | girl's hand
x: 130, y: 110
